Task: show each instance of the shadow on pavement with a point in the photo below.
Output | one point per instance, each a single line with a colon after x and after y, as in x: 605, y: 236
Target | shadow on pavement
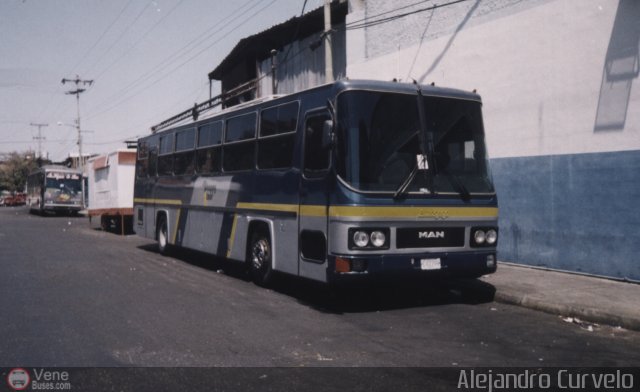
x: 371, y: 296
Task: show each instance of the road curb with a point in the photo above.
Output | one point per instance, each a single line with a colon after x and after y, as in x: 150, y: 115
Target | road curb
x: 585, y: 314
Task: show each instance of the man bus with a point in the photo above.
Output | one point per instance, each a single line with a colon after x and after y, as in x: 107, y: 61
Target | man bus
x: 345, y: 180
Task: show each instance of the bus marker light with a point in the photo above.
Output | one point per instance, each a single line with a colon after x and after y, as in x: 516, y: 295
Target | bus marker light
x: 491, y: 261
x: 342, y: 265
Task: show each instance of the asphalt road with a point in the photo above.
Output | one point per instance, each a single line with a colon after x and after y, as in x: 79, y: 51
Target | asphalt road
x: 72, y: 295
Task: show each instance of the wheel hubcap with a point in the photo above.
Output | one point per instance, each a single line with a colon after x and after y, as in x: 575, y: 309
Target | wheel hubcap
x: 162, y: 239
x: 260, y: 253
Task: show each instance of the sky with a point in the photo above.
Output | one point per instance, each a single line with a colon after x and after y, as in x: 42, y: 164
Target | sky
x: 148, y: 60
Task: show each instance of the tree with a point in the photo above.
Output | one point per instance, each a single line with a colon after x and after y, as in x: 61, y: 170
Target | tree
x: 15, y: 169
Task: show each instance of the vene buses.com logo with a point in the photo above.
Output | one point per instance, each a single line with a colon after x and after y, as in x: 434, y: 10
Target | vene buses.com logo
x: 18, y: 379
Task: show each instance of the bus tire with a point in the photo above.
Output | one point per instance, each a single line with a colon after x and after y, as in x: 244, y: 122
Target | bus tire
x: 259, y: 258
x: 162, y: 235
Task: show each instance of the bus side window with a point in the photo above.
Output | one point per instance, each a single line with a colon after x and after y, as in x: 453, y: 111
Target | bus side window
x: 239, y: 147
x: 165, y: 155
x: 316, y: 159
x: 142, y: 164
x: 185, y: 143
x: 152, y: 146
x: 208, y: 154
x: 277, y: 136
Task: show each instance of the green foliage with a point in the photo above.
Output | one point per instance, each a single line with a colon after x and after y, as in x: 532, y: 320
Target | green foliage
x: 14, y: 171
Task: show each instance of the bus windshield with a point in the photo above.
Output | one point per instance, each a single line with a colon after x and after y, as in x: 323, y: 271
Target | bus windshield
x: 62, y: 186
x: 380, y: 144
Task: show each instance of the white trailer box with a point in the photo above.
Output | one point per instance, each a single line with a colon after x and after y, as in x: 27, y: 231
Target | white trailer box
x: 111, y: 177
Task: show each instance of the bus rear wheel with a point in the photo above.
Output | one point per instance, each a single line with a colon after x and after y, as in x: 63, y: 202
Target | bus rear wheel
x: 260, y: 258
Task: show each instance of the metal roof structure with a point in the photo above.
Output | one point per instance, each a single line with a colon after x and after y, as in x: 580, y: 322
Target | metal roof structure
x: 258, y: 46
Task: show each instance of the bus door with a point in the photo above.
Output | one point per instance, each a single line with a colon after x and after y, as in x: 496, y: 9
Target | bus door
x: 313, y: 210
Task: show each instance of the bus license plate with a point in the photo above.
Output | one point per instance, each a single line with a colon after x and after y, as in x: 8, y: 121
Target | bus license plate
x: 430, y: 264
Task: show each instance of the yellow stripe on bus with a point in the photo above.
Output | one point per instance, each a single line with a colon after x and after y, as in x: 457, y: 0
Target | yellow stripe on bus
x: 413, y: 212
x: 309, y: 210
x: 233, y: 235
x: 268, y: 207
x: 436, y: 212
x: 158, y: 201
x: 175, y: 229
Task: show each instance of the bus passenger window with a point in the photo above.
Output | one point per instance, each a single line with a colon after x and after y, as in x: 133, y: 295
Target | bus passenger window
x: 279, y: 119
x: 240, y: 134
x: 208, y: 160
x: 276, y: 152
x: 238, y: 156
x: 277, y: 136
x: 142, y: 163
x: 184, y: 158
x: 165, y: 156
x: 208, y: 154
x: 316, y: 159
x: 152, y: 145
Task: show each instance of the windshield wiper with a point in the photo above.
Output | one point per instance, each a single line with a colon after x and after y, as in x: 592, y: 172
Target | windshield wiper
x: 458, y: 186
x: 402, y: 189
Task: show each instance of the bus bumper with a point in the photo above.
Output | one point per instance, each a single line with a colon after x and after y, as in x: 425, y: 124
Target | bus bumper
x: 436, y: 265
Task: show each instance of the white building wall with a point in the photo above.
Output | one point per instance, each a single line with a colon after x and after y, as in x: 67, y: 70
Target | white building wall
x: 544, y: 68
x: 561, y: 91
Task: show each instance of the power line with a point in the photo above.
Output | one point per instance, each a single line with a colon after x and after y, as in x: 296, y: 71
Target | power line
x: 39, y: 138
x: 143, y: 36
x: 119, y: 38
x: 84, y: 56
x: 127, y: 98
x: 174, y: 56
x: 370, y: 23
x: 81, y: 59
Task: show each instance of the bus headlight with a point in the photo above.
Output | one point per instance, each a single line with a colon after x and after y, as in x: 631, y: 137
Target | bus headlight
x: 374, y: 238
x: 491, y: 237
x: 360, y: 239
x: 378, y: 239
x: 483, y: 237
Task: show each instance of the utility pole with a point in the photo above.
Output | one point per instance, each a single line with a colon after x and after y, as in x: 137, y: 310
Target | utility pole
x: 328, y: 48
x: 77, y: 93
x: 39, y: 138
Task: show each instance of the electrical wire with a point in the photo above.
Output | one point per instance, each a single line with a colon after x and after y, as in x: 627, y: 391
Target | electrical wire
x: 143, y: 36
x: 122, y: 34
x: 82, y: 58
x: 86, y: 54
x: 177, y: 55
x: 138, y: 92
x: 353, y: 26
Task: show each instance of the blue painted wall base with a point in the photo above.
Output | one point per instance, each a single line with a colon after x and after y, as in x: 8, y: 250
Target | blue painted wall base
x: 572, y: 212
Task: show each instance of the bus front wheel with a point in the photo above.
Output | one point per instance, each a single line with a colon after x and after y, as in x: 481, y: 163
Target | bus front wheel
x: 259, y: 258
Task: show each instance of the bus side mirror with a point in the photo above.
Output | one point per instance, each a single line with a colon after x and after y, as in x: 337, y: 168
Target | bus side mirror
x: 327, y: 135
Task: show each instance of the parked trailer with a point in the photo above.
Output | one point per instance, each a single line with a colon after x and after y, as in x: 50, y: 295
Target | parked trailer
x: 111, y: 178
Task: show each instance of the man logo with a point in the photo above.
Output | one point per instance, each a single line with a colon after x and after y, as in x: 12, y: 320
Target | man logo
x: 430, y: 234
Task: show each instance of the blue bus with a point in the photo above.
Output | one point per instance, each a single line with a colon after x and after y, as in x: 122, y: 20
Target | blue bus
x: 352, y: 179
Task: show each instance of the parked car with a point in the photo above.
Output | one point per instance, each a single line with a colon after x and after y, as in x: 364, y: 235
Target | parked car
x: 17, y: 199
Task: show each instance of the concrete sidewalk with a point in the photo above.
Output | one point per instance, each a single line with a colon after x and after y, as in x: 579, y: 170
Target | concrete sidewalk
x: 591, y: 299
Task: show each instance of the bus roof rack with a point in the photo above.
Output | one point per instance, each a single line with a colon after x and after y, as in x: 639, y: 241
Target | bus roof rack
x: 211, y: 103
